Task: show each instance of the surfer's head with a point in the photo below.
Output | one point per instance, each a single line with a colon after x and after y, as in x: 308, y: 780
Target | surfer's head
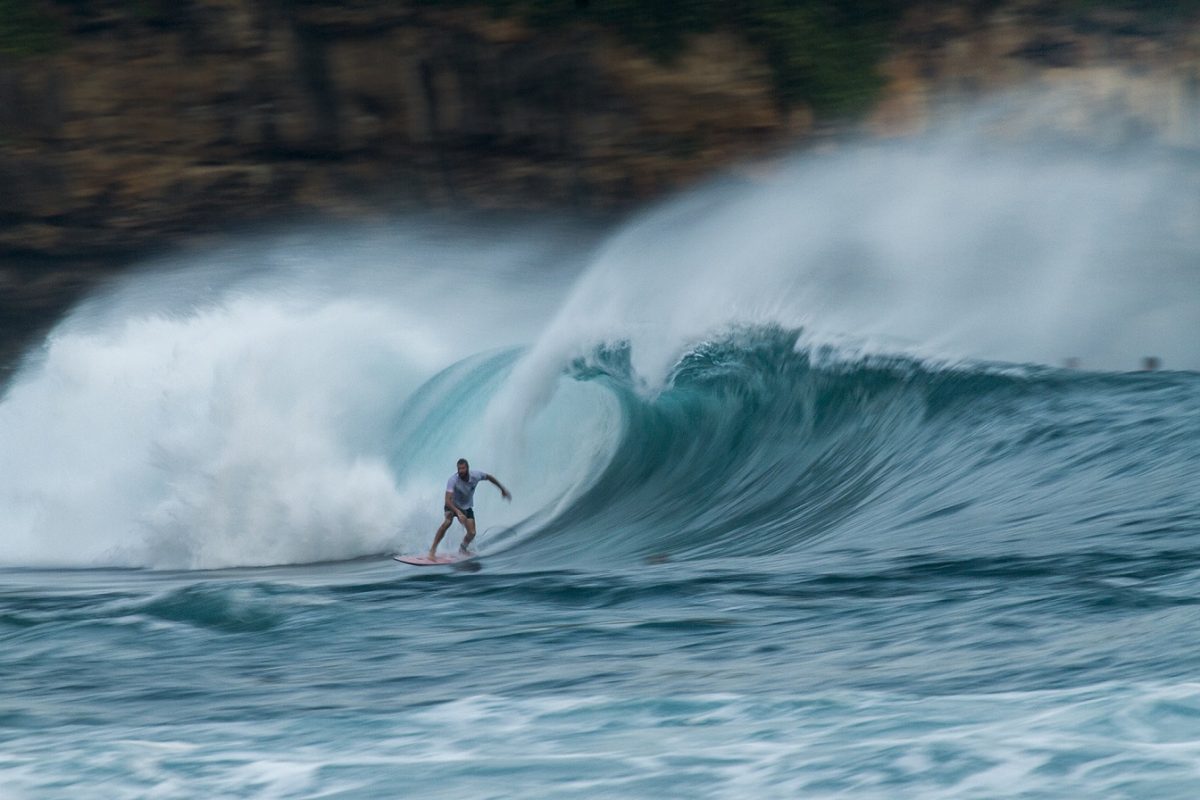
x: 464, y: 469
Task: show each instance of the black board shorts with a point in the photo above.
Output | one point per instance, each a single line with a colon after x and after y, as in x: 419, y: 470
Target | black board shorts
x: 470, y: 512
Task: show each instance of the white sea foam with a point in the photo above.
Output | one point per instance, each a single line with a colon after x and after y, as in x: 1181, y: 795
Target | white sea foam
x: 244, y: 414
x: 1098, y: 741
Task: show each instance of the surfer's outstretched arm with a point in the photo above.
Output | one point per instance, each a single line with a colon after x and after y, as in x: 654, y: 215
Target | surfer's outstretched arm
x: 507, y: 495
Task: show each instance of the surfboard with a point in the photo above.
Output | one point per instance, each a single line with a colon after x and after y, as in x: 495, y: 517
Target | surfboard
x: 426, y: 561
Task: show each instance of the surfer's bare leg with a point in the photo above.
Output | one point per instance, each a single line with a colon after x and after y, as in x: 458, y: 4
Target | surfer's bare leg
x: 464, y: 548
x: 437, y: 537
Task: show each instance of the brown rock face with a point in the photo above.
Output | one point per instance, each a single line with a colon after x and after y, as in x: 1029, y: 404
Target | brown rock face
x: 156, y: 120
x: 149, y: 127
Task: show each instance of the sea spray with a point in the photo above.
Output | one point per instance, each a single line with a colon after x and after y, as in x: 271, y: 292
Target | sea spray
x: 266, y: 402
x: 241, y: 407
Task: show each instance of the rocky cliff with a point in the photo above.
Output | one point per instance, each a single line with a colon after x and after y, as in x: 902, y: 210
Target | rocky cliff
x: 150, y: 126
x: 149, y: 121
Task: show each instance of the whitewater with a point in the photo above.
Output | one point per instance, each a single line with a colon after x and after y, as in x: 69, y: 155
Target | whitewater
x: 805, y: 501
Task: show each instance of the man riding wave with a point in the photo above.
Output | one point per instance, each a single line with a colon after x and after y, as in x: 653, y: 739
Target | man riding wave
x: 460, y: 496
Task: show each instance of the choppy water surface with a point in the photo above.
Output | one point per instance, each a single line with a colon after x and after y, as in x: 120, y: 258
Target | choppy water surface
x: 802, y: 505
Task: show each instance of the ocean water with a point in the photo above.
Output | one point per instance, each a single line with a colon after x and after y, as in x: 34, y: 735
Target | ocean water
x: 804, y: 503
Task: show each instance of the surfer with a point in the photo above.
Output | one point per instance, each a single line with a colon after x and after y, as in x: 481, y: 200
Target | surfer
x: 460, y: 495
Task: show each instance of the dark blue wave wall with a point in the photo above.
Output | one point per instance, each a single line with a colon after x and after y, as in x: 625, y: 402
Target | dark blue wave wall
x: 757, y: 448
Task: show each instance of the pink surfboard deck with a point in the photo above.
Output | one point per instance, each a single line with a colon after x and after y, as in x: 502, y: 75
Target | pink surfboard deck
x: 425, y: 561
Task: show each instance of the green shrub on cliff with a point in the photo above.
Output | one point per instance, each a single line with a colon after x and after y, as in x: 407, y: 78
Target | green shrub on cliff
x: 823, y: 53
x: 26, y: 28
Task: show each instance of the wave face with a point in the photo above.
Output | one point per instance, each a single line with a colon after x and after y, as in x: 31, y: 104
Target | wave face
x: 758, y: 447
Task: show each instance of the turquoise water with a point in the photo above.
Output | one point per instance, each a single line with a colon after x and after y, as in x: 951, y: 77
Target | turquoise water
x: 755, y: 550
x: 992, y: 594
